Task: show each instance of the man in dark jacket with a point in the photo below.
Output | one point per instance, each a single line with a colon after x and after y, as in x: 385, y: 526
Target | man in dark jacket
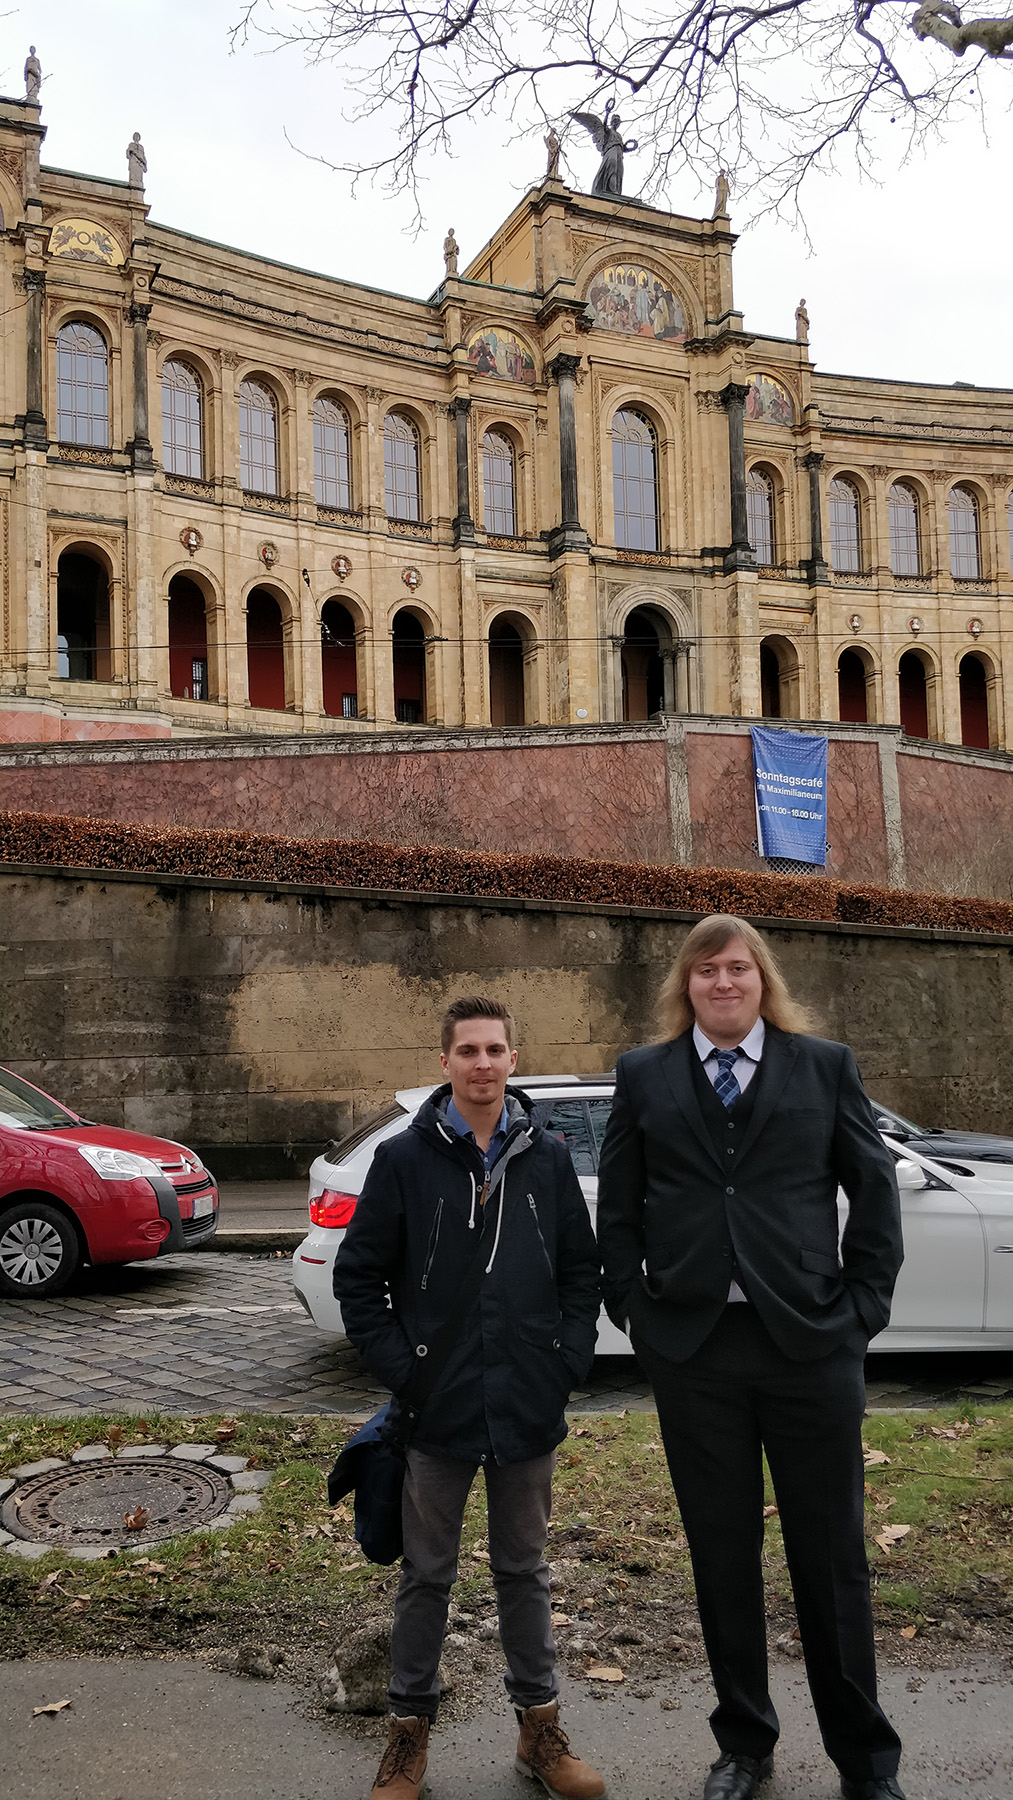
x: 718, y: 1225
x: 472, y: 1169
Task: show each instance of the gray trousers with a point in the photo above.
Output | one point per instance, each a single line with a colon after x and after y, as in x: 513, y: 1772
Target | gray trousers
x: 519, y: 1500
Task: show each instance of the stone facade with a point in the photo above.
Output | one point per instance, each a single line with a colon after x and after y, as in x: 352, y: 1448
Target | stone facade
x: 234, y: 1014
x: 527, y: 500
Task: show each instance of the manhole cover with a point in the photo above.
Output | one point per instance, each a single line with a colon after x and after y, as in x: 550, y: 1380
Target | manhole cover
x: 81, y: 1505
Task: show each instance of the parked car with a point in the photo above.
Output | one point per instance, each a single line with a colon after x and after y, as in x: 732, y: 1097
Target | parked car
x: 954, y: 1292
x: 72, y: 1191
x: 966, y: 1148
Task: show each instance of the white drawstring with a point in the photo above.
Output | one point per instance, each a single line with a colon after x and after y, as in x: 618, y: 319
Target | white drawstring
x: 441, y: 1128
x: 474, y: 1193
x: 499, y: 1221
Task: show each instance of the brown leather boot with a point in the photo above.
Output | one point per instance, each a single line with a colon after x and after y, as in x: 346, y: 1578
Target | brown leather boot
x: 403, y: 1763
x: 544, y: 1754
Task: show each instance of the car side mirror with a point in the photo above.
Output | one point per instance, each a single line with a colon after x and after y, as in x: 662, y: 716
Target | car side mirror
x: 911, y: 1177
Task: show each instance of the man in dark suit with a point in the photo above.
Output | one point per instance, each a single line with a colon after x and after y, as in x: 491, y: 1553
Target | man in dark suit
x: 718, y: 1227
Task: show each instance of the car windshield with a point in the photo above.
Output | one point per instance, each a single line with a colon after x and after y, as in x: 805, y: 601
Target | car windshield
x: 25, y: 1106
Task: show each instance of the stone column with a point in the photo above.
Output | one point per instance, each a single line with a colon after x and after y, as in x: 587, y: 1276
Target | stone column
x: 141, y: 456
x: 36, y: 435
x: 568, y: 534
x: 738, y: 555
x: 816, y: 568
x: 464, y: 524
x: 669, y: 665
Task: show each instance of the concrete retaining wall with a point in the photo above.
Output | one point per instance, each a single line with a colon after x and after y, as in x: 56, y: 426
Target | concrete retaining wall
x: 234, y: 1016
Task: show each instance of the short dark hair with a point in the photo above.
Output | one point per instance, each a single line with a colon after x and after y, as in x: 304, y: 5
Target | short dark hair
x: 474, y: 1006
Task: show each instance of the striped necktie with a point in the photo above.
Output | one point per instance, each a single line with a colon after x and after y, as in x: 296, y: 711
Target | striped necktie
x: 726, y: 1087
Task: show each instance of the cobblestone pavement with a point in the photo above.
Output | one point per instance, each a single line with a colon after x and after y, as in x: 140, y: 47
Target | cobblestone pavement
x: 194, y: 1334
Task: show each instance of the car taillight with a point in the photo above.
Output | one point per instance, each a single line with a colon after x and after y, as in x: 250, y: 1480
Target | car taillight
x: 333, y: 1210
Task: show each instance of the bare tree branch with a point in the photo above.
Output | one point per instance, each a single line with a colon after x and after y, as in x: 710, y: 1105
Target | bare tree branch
x: 769, y: 89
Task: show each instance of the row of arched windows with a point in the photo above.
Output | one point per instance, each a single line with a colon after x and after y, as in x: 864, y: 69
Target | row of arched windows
x: 856, y: 684
x: 906, y: 527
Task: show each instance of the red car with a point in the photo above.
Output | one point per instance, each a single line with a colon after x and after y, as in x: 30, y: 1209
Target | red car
x: 72, y: 1192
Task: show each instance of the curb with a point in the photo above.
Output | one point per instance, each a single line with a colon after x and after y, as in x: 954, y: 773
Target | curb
x: 277, y: 1238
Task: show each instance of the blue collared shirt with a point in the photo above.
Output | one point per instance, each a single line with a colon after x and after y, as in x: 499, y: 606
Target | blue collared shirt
x: 463, y: 1129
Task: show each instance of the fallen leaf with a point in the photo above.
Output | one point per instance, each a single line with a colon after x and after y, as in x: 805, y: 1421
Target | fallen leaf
x: 81, y: 1604
x: 909, y: 1631
x: 136, y: 1520
x: 142, y: 1425
x: 890, y: 1535
x: 874, y: 1458
x: 114, y: 1435
x: 604, y: 1672
x: 559, y: 1619
x: 299, y: 1437
x: 226, y: 1430
x: 54, y: 1707
x: 52, y: 1580
x: 770, y: 1512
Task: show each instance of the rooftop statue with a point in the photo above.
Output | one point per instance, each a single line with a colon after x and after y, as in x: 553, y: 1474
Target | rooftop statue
x: 608, y: 183
x: 33, y: 77
x: 137, y: 162
x: 553, y: 147
x: 451, y: 251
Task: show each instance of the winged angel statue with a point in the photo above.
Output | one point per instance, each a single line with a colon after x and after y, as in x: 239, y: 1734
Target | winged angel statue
x: 608, y: 183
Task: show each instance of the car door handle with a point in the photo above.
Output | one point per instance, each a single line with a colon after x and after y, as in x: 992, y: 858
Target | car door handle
x: 1003, y: 1249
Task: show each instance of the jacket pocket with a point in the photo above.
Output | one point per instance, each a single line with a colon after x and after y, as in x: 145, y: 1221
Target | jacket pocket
x: 545, y: 1334
x: 819, y: 1263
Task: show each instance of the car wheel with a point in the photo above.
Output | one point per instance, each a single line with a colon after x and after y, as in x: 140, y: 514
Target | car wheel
x: 39, y: 1250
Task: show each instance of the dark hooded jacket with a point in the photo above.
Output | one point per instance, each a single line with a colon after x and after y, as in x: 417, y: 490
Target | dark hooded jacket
x: 530, y: 1336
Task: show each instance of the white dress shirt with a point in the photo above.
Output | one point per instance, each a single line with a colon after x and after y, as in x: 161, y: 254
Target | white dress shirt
x: 747, y: 1057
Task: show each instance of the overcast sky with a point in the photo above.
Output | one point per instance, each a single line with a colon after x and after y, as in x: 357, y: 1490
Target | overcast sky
x: 911, y: 279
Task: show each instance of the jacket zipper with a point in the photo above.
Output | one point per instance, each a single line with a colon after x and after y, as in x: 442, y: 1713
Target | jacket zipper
x: 541, y: 1240
x: 434, y: 1238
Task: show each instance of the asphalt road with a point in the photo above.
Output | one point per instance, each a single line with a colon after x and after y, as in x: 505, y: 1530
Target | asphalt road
x: 199, y: 1332
x: 138, y: 1730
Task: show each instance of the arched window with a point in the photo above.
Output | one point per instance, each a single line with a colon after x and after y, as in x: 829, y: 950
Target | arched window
x: 258, y: 438
x: 643, y: 671
x: 634, y: 482
x: 82, y: 619
x: 409, y: 646
x: 914, y: 695
x: 506, y: 674
x: 905, y: 556
x: 760, y: 516
x: 82, y: 385
x: 780, y: 679
x: 974, y: 730
x: 182, y: 452
x: 188, y: 640
x: 499, y: 484
x: 852, y: 693
x: 338, y: 661
x: 402, y: 493
x: 965, y: 538
x: 331, y: 465
x: 845, y: 540
x: 265, y: 651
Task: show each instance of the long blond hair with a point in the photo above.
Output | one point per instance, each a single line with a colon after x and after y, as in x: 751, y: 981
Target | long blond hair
x: 675, y: 1014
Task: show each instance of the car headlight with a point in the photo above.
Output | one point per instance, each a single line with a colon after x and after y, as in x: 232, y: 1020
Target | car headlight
x: 117, y: 1165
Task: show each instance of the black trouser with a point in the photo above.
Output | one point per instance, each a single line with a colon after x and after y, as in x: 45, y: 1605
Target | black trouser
x: 736, y: 1397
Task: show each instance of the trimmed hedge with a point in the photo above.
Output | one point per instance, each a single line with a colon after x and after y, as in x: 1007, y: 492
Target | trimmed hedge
x: 72, y: 842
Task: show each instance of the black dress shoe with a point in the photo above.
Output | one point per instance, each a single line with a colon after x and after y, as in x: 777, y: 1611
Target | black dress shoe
x: 736, y: 1777
x: 881, y: 1787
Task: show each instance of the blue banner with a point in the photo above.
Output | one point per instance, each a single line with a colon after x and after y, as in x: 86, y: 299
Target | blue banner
x: 790, y: 771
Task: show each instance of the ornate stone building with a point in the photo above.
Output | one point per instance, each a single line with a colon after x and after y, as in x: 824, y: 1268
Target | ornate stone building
x: 240, y: 497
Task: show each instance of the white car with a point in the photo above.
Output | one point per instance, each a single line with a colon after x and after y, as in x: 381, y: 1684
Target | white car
x: 955, y: 1290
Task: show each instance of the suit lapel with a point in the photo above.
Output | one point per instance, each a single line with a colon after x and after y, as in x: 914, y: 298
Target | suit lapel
x: 779, y: 1053
x: 679, y: 1075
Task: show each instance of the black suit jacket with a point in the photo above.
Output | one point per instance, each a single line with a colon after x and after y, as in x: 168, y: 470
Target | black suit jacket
x: 676, y: 1211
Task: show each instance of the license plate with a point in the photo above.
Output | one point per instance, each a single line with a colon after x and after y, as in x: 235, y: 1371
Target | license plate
x: 203, y: 1205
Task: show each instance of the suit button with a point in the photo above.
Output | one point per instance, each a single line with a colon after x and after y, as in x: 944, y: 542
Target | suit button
x: 730, y: 1150
x: 726, y: 1251
x: 729, y: 1190
x: 731, y: 1125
